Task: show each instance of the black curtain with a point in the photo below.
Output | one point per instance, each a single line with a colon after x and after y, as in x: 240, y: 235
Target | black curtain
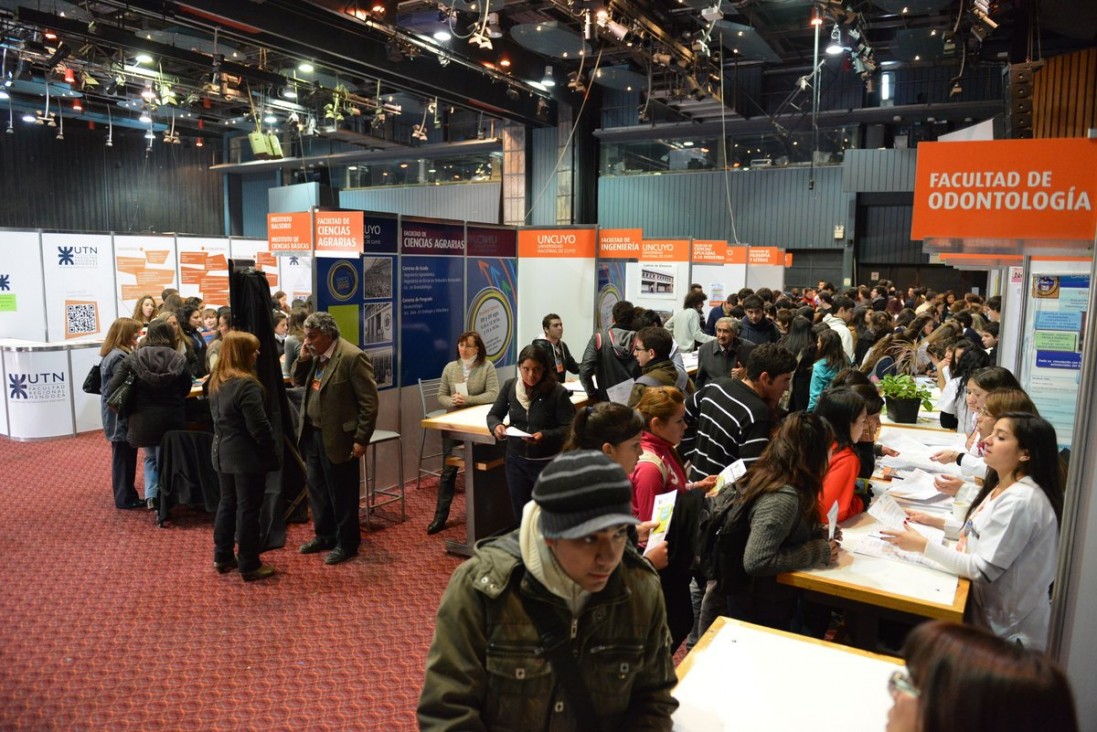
x: 252, y: 311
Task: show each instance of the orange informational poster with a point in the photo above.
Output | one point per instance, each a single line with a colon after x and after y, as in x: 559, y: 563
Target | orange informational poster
x: 788, y: 259
x: 1006, y: 189
x: 765, y: 256
x: 709, y: 251
x: 289, y: 232
x: 265, y: 259
x: 571, y: 243
x: 736, y: 255
x: 619, y: 243
x: 338, y: 231
x: 664, y: 250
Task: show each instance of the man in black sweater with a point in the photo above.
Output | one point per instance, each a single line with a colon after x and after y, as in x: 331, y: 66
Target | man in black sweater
x: 560, y: 357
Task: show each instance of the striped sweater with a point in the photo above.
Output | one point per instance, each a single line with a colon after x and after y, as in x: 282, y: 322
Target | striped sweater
x: 726, y: 420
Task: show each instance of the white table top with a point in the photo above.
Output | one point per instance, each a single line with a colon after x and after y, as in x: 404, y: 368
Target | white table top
x: 743, y: 677
x: 474, y: 420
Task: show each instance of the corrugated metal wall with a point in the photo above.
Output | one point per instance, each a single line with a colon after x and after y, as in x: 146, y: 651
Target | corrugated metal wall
x: 879, y: 170
x: 80, y: 184
x: 544, y: 181
x: 468, y: 201
x: 884, y: 236
x: 772, y: 207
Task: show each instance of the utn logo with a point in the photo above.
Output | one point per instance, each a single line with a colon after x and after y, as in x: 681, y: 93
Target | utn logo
x: 77, y: 256
x: 41, y: 387
x: 5, y: 283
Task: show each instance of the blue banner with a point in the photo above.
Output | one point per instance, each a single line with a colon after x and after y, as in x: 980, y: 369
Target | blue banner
x: 338, y: 283
x: 491, y: 290
x: 432, y: 315
x: 380, y: 234
x: 1059, y: 360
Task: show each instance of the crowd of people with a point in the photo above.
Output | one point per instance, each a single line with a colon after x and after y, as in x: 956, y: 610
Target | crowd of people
x: 786, y: 394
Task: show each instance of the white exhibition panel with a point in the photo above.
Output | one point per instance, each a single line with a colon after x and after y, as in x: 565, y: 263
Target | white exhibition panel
x: 1009, y: 333
x: 251, y: 249
x: 295, y: 275
x: 564, y: 286
x: 78, y: 270
x: 144, y: 265
x: 37, y: 391
x: 719, y: 281
x: 85, y: 407
x: 22, y: 294
x: 666, y: 303
x: 765, y: 275
x: 200, y: 258
x: 741, y: 681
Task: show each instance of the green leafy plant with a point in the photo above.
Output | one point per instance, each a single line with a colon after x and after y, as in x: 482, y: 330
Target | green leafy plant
x: 904, y: 386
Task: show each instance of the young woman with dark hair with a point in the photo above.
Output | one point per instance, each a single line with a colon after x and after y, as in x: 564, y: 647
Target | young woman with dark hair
x: 243, y: 453
x: 846, y: 413
x: 610, y: 428
x: 480, y: 386
x: 960, y: 678
x: 190, y: 324
x: 830, y: 358
x: 782, y: 488
x: 539, y: 405
x: 1009, y: 545
x: 802, y: 344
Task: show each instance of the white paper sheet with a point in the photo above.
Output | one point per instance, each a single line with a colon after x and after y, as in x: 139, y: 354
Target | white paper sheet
x: 832, y: 520
x: 889, y: 513
x: 573, y: 386
x: 620, y: 393
x: 873, y: 546
x: 730, y: 474
x: 917, y: 485
x: 461, y: 388
x: 515, y: 432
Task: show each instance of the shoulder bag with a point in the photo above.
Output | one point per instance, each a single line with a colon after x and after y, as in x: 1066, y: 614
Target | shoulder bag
x: 93, y: 382
x: 121, y: 399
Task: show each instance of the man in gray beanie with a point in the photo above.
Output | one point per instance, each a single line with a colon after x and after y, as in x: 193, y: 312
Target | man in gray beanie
x: 559, y: 625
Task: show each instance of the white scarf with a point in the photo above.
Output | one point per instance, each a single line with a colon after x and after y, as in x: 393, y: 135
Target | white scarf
x: 522, y: 393
x: 542, y: 564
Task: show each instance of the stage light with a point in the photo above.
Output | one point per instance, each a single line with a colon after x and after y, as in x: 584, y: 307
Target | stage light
x: 835, y: 46
x: 548, y: 82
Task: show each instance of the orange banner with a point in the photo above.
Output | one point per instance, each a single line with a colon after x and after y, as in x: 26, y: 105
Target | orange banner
x: 193, y: 258
x: 788, y: 259
x: 265, y: 259
x: 339, y: 231
x: 289, y: 232
x: 572, y: 243
x: 129, y: 265
x: 664, y: 250
x: 765, y: 256
x: 191, y: 276
x: 155, y: 277
x: 619, y: 243
x: 1008, y: 189
x: 736, y: 255
x: 133, y: 292
x: 217, y: 261
x: 709, y: 251
x: 156, y: 256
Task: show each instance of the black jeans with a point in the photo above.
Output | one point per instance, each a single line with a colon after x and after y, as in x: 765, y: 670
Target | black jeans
x: 238, y: 512
x: 333, y: 494
x: 521, y: 474
x: 123, y: 471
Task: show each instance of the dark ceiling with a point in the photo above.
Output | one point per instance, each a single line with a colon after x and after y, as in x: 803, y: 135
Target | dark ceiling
x: 382, y: 68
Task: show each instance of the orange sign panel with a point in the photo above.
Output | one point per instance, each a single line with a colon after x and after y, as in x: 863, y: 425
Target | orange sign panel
x: 570, y: 243
x: 289, y: 232
x: 619, y: 243
x: 1010, y: 189
x: 736, y: 255
x: 709, y: 251
x: 788, y: 259
x: 664, y: 250
x: 339, y: 231
x: 765, y: 255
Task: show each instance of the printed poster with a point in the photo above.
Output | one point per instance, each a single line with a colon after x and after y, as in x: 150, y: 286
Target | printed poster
x: 81, y: 300
x: 204, y: 269
x: 491, y: 291
x: 145, y: 265
x: 432, y: 288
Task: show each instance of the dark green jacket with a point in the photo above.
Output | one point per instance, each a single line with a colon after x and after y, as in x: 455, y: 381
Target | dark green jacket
x: 485, y: 672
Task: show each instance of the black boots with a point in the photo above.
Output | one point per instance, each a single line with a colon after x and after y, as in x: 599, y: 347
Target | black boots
x: 446, y: 486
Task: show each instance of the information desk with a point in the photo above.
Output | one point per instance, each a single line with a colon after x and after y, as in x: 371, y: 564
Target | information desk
x: 42, y: 394
x: 741, y: 676
x: 487, y: 503
x: 871, y: 588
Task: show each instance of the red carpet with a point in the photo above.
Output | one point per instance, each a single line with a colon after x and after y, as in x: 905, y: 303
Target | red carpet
x: 111, y: 623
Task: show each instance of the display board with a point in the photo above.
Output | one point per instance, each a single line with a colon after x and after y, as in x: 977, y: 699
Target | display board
x: 615, y: 248
x: 295, y: 276
x: 660, y: 279
x: 765, y: 268
x: 380, y: 324
x: 203, y: 269
x: 78, y: 270
x: 1051, y: 365
x: 38, y: 383
x: 144, y: 265
x: 432, y: 292
x: 22, y: 294
x: 556, y: 274
x: 258, y: 250
x: 491, y: 290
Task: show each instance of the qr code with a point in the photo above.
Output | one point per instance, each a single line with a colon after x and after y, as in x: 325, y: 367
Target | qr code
x: 80, y: 319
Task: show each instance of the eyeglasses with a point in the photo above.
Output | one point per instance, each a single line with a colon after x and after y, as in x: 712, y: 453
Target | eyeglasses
x: 639, y: 349
x: 900, y: 683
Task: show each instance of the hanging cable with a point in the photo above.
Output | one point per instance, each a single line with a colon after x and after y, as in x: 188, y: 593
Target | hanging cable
x: 724, y: 145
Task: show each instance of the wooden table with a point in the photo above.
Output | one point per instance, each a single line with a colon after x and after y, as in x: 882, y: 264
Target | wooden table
x: 741, y: 676
x: 487, y: 503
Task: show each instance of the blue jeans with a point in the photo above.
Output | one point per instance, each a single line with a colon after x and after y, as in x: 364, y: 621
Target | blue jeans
x: 152, y: 474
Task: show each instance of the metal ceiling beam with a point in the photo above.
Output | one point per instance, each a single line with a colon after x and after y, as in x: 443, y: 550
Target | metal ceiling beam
x: 427, y: 152
x: 351, y: 47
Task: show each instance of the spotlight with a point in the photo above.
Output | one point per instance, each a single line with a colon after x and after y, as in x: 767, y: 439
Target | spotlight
x: 77, y: 106
x: 145, y: 117
x: 305, y: 67
x: 835, y: 46
x: 143, y: 58
x: 661, y: 58
x: 712, y: 14
x: 617, y: 30
x: 419, y: 132
x: 442, y: 36
x: 493, y: 30
x: 199, y: 143
x: 150, y: 135
x: 110, y: 141
x: 548, y: 82
x: 956, y: 89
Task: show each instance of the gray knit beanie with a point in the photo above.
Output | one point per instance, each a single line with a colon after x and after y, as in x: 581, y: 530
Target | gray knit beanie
x: 581, y: 493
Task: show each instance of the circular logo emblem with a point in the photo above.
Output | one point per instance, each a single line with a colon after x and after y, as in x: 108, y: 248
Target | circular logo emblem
x: 491, y: 316
x: 343, y: 281
x: 607, y: 298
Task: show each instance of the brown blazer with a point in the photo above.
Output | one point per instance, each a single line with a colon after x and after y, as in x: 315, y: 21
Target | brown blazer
x: 348, y: 400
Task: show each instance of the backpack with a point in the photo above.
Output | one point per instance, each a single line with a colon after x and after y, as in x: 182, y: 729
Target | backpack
x: 724, y: 533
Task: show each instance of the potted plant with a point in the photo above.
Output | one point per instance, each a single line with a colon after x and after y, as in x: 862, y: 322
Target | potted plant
x: 903, y: 395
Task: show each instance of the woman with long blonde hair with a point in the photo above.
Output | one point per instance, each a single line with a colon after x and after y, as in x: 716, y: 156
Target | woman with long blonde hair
x: 243, y: 453
x: 120, y: 342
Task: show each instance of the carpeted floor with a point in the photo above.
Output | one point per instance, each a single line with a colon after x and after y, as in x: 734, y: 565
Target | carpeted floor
x: 107, y: 622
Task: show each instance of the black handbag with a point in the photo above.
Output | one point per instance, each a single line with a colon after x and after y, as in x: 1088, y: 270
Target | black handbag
x: 121, y: 399
x: 93, y: 382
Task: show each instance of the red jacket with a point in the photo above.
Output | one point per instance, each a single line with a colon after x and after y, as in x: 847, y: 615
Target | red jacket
x: 647, y: 476
x: 838, y: 485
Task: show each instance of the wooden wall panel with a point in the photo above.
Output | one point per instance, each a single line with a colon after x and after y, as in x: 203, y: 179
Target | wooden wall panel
x: 1065, y: 95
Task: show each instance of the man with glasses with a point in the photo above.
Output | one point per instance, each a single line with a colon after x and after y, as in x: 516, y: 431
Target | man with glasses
x: 338, y: 417
x: 652, y: 348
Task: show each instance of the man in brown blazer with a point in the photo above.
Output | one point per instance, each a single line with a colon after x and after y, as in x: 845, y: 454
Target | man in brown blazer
x: 338, y: 416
